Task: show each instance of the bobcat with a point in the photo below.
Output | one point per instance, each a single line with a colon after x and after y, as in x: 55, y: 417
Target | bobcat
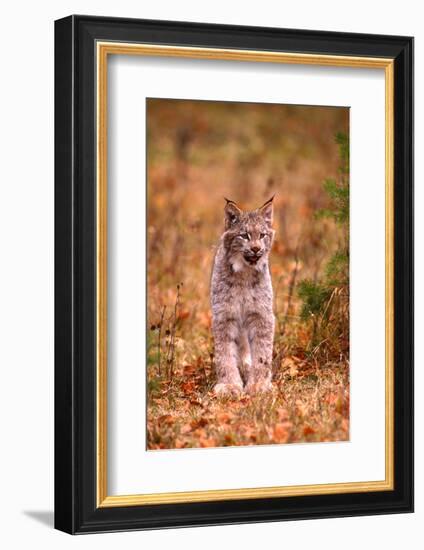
x: 242, y: 301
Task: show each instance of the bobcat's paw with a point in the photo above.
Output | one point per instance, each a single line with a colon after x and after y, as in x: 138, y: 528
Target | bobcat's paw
x: 223, y: 390
x: 259, y: 387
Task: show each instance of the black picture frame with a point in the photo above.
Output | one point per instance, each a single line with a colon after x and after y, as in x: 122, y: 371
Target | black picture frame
x: 76, y: 510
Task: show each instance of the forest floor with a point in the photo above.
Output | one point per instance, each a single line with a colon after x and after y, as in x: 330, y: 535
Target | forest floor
x: 199, y: 152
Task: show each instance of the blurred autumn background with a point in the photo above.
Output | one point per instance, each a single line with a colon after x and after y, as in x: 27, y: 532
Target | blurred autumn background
x: 199, y: 152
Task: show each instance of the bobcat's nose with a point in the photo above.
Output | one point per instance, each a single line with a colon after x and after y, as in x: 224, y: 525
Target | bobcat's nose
x: 255, y: 249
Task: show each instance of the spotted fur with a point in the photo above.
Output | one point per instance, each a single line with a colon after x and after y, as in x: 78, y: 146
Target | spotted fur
x: 242, y: 301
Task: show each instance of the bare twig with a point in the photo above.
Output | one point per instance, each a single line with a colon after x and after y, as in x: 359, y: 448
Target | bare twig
x: 171, y: 348
x: 292, y: 285
x: 159, y: 339
x: 290, y: 296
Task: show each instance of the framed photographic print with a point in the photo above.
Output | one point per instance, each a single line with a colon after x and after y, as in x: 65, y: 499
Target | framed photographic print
x: 234, y: 274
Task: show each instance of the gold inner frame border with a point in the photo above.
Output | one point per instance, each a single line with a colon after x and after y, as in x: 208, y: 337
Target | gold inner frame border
x: 103, y: 50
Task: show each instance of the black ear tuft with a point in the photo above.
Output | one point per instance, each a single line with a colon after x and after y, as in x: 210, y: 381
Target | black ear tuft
x: 267, y: 210
x: 232, y: 213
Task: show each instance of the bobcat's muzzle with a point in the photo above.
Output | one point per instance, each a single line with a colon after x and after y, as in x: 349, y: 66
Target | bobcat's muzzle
x: 252, y: 257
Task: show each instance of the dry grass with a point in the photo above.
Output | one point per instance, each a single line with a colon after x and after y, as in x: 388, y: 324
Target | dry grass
x: 199, y: 152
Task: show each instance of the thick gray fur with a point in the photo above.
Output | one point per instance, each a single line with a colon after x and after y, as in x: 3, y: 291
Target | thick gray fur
x: 242, y: 301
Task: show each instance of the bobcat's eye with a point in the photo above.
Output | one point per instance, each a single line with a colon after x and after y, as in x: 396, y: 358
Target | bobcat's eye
x: 262, y: 235
x: 245, y: 236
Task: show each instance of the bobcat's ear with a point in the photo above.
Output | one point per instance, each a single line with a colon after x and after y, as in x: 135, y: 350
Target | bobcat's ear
x: 232, y: 213
x: 266, y: 210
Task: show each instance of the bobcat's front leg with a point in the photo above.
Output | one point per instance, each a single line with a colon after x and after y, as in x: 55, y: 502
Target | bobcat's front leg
x: 261, y: 339
x: 226, y: 358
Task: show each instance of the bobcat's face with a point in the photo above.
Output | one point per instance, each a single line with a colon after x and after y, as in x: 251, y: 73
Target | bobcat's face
x: 248, y: 236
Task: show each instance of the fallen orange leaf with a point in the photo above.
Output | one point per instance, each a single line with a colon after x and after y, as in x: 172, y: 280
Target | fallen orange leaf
x: 166, y: 419
x: 224, y: 418
x: 307, y: 430
x: 207, y: 442
x: 281, y: 433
